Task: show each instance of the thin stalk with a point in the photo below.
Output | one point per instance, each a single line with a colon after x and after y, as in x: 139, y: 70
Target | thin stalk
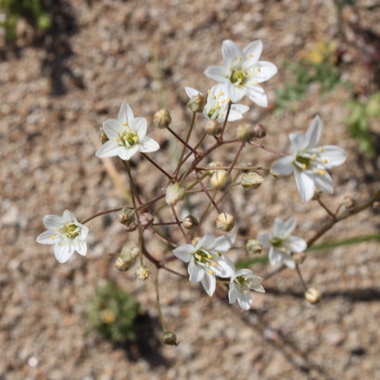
x: 104, y: 213
x: 158, y: 167
x: 301, y: 278
x: 226, y: 119
x: 241, y: 147
x: 131, y: 183
x: 159, y: 311
x: 206, y: 192
x: 179, y: 223
x: 254, y: 143
x: 182, y: 141
x: 326, y: 208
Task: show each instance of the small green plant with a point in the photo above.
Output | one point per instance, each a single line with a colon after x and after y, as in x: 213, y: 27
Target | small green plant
x: 359, y: 121
x: 318, y: 66
x: 113, y: 313
x: 34, y: 11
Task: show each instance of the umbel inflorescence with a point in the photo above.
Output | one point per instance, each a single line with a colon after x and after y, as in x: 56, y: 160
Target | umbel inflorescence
x: 205, y: 253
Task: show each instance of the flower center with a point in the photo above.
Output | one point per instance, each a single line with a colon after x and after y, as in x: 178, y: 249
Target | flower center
x: 129, y: 138
x: 203, y: 258
x: 238, y: 76
x: 276, y: 242
x: 70, y: 230
x: 304, y: 161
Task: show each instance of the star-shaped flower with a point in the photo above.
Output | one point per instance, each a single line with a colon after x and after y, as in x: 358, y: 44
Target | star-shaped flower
x: 241, y: 284
x: 126, y: 136
x: 310, y: 163
x: 206, y: 260
x: 242, y: 72
x: 66, y: 233
x: 217, y: 104
x: 282, y: 244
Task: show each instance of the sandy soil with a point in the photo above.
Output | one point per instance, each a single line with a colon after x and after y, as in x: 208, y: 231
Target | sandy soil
x: 55, y: 96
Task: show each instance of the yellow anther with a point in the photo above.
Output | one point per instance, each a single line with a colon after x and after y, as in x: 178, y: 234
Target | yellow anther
x: 323, y: 172
x: 245, y: 292
x: 63, y: 244
x: 304, y: 167
x: 213, y: 264
x: 207, y: 264
x: 291, y: 245
x: 251, y: 56
x: 316, y: 171
x: 314, y: 156
x: 283, y: 249
x: 125, y: 124
x: 135, y: 138
x: 117, y: 139
x: 228, y: 100
x: 256, y: 83
x: 211, y: 272
x: 321, y: 150
x: 324, y: 161
x: 58, y: 229
x: 221, y: 93
x: 209, y: 91
x: 52, y: 237
x: 219, y: 254
x: 240, y: 58
x: 259, y: 70
x: 209, y: 256
x: 214, y: 97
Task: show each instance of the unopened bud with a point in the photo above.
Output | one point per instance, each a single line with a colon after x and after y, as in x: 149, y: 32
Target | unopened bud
x: 213, y: 128
x: 259, y: 131
x: 189, y: 222
x: 162, y: 119
x: 245, y: 132
x: 146, y: 219
x: 213, y: 164
x: 195, y: 240
x: 126, y: 216
x: 313, y: 296
x: 169, y: 338
x: 254, y: 246
x: 103, y: 136
x: 197, y: 103
x: 126, y: 258
x: 251, y: 181
x: 142, y: 273
x: 348, y: 202
x: 225, y: 222
x: 299, y: 257
x: 221, y: 179
x: 174, y: 193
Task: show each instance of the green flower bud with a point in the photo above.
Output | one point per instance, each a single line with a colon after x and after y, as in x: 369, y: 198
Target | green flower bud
x: 213, y: 128
x: 251, y: 181
x: 127, y: 258
x: 126, y: 216
x: 169, y: 338
x: 190, y: 222
x: 225, y: 222
x: 142, y: 273
x: 162, y: 119
x: 197, y: 103
x: 221, y: 179
x: 313, y: 296
x: 174, y: 193
x: 245, y: 132
x: 254, y: 246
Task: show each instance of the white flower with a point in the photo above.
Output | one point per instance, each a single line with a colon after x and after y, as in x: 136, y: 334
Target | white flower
x: 241, y: 284
x: 217, y: 104
x: 126, y: 136
x: 310, y: 163
x: 242, y: 72
x: 282, y: 243
x: 206, y: 260
x: 66, y: 233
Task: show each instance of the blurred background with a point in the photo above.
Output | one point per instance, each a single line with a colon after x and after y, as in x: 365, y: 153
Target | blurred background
x: 65, y: 67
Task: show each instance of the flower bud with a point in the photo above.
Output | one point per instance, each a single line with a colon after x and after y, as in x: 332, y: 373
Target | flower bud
x: 213, y: 128
x: 251, y: 181
x: 313, y: 296
x: 221, y: 179
x: 195, y: 240
x: 299, y: 257
x: 197, y: 103
x: 245, y: 132
x: 169, y: 338
x: 254, y: 247
x: 259, y: 131
x: 103, y: 136
x: 213, y: 164
x: 348, y: 202
x: 127, y: 258
x: 142, y: 273
x: 174, y: 193
x: 146, y: 219
x: 162, y: 119
x: 189, y: 222
x: 225, y: 222
x: 126, y: 216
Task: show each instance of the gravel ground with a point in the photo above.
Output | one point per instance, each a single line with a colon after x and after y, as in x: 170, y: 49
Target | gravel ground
x: 53, y: 101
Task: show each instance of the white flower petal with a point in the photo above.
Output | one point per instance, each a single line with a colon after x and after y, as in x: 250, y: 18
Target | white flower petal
x: 254, y: 49
x: 196, y: 272
x: 63, y: 252
x: 274, y: 256
x: 184, y: 252
x: 225, y: 268
x: 237, y: 111
x: 69, y: 217
x: 284, y: 166
x: 218, y: 73
x: 323, y: 182
x: 288, y: 260
x: 148, y: 145
x: 108, y: 149
x: 207, y: 241
x: 46, y: 238
x: 299, y: 142
x: 235, y: 93
x: 278, y: 228
x: 257, y: 95
x: 245, y: 300
x: 139, y: 126
x: 264, y: 239
x: 230, y: 51
x: 334, y: 155
x: 125, y: 114
x: 81, y: 247
x: 191, y: 92
x: 266, y: 71
x: 112, y: 128
x: 52, y: 222
x: 297, y: 244
x: 223, y: 243
x: 289, y: 226
x: 314, y: 132
x: 209, y: 283
x: 232, y: 293
x: 305, y: 185
x: 258, y: 288
x: 127, y: 153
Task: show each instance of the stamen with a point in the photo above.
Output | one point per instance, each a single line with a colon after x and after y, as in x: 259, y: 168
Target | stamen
x: 324, y: 161
x: 240, y: 58
x: 213, y: 264
x: 323, y: 172
x: 251, y: 56
x: 321, y: 150
x: 209, y: 91
x: 283, y: 249
x: 259, y: 70
x: 211, y: 272
x: 245, y: 291
x: 316, y: 171
x: 117, y: 139
x: 52, y: 237
x: 214, y: 97
x: 314, y: 156
x: 228, y: 100
x: 125, y: 124
x: 219, y: 254
x: 304, y: 167
x: 256, y: 83
x: 221, y: 93
x: 209, y: 257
